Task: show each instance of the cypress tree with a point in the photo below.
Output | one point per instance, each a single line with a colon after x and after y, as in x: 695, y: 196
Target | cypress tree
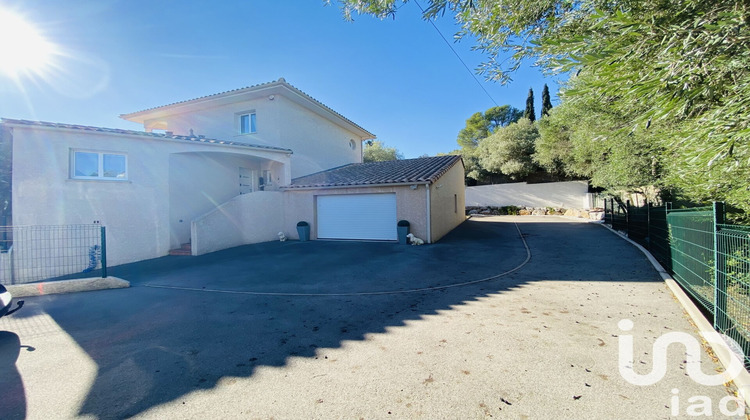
x: 529, y: 112
x: 546, y: 101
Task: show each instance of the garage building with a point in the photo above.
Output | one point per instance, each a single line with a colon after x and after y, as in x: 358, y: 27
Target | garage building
x: 365, y: 201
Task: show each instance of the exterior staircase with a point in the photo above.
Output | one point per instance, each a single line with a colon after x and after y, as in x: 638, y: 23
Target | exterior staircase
x: 185, y: 249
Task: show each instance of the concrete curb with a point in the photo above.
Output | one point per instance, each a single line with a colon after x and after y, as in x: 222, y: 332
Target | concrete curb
x: 66, y: 286
x: 722, y: 350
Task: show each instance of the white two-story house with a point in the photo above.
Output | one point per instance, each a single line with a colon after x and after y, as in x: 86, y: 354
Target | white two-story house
x: 219, y: 171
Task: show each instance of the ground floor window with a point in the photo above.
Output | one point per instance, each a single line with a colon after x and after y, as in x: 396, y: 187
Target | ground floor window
x: 99, y: 165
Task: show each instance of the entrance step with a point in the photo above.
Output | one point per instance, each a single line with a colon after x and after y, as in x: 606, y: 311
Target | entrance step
x: 185, y: 249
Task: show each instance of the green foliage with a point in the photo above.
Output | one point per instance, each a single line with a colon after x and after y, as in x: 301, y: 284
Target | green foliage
x: 529, y: 112
x: 502, y: 116
x: 500, y: 28
x: 509, y: 150
x: 477, y: 128
x: 546, y: 101
x: 504, y: 210
x: 480, y: 125
x: 669, y: 82
x: 509, y: 210
x: 554, y: 148
x: 376, y: 151
x: 679, y: 72
x: 586, y: 138
x: 473, y: 171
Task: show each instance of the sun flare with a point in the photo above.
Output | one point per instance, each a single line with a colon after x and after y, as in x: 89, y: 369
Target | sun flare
x: 23, y: 49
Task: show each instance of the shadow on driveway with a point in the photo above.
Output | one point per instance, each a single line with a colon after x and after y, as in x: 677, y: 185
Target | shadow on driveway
x: 155, y: 345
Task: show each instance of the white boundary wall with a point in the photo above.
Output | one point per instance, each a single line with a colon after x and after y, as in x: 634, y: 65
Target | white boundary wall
x: 245, y: 219
x: 569, y: 195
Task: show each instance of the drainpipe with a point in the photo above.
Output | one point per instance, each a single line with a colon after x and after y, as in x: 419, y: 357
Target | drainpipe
x: 429, y: 220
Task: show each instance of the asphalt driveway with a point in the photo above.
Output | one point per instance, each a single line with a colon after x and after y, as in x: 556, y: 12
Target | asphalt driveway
x: 482, y: 324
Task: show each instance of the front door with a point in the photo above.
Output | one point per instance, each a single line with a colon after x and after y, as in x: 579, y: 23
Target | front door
x: 247, y: 180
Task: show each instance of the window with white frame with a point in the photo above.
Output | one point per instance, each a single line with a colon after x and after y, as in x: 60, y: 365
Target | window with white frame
x: 85, y: 164
x: 247, y: 123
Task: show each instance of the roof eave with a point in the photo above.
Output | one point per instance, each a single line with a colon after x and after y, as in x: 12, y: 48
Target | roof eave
x: 301, y: 97
x: 143, y: 136
x: 140, y: 117
x: 329, y: 187
x: 314, y: 105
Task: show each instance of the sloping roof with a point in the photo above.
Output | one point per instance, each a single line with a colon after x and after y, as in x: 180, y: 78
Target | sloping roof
x: 136, y: 116
x: 406, y: 171
x: 161, y: 136
x: 238, y: 90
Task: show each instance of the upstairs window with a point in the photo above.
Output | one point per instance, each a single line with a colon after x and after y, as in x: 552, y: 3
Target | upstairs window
x: 99, y: 165
x: 247, y: 123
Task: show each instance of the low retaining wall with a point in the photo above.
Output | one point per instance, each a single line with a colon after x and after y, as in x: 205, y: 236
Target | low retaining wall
x: 569, y: 195
x: 591, y: 214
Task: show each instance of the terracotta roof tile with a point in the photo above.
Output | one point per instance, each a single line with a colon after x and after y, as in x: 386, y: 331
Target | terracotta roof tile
x: 420, y: 170
x: 162, y: 136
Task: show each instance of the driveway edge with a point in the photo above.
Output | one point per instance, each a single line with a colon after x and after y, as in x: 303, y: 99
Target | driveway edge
x: 722, y: 351
x: 66, y: 286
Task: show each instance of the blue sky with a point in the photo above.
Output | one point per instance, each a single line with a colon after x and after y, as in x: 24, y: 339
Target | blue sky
x: 396, y: 78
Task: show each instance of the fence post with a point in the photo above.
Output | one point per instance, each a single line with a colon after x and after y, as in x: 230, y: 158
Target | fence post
x: 627, y: 217
x: 606, y: 215
x: 721, y: 319
x: 648, y: 225
x: 104, y: 252
x: 605, y: 210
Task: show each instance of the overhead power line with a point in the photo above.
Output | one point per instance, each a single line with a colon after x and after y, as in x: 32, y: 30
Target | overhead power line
x: 457, y: 56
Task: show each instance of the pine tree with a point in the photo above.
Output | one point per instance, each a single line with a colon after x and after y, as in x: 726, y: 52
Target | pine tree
x: 546, y: 102
x: 529, y: 113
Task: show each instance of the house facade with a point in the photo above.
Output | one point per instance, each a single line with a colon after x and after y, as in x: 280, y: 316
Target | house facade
x: 271, y: 114
x: 145, y: 188
x: 220, y: 171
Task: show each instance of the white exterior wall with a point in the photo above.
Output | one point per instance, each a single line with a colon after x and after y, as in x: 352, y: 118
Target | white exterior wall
x: 221, y: 121
x: 246, y: 219
x: 318, y: 143
x: 135, y: 212
x: 218, y: 182
x: 447, y: 198
x: 567, y: 195
x: 301, y: 205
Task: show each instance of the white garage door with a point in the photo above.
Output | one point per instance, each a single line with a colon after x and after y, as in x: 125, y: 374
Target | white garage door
x: 357, y: 216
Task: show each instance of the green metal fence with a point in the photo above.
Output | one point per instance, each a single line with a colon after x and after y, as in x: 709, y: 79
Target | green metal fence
x: 732, y: 291
x: 709, y: 258
x: 659, y: 235
x: 692, y: 245
x: 615, y: 214
x: 35, y: 253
